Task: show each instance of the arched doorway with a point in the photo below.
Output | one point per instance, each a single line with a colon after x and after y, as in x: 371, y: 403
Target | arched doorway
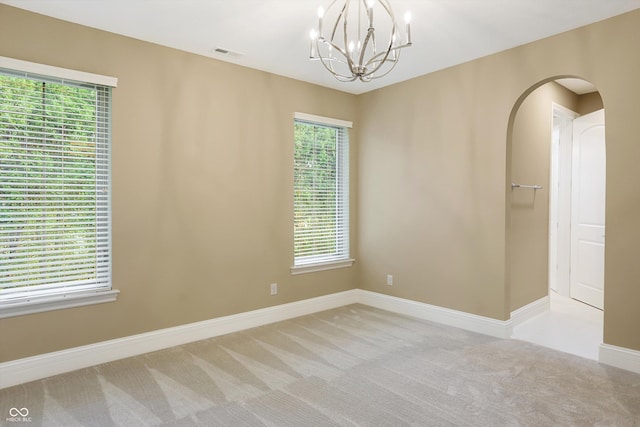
x: 541, y: 208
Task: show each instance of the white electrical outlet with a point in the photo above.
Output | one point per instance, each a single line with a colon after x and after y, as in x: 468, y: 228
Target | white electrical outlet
x: 389, y: 280
x: 274, y: 288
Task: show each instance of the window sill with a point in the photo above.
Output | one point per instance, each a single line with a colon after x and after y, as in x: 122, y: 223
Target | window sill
x: 332, y: 265
x: 58, y: 302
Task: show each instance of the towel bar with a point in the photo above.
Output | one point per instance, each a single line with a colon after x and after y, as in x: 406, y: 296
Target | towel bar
x: 533, y: 187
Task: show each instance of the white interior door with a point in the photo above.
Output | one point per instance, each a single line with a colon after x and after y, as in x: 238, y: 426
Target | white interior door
x: 560, y: 200
x: 588, y: 209
x: 553, y: 205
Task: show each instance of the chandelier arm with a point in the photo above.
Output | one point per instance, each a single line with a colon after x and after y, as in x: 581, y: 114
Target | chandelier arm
x: 375, y: 58
x: 370, y: 36
x: 395, y: 62
x: 337, y: 75
x: 334, y: 46
x: 371, y: 29
x: 342, y: 15
x: 331, y: 61
x: 387, y: 7
x: 384, y: 55
x: 327, y: 62
x: 342, y: 78
x: 345, y: 33
x: 373, y: 44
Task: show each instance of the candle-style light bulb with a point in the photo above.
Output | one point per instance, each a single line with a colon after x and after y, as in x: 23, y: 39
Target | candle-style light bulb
x: 407, y: 19
x: 370, y: 4
x: 320, y: 16
x: 313, y: 35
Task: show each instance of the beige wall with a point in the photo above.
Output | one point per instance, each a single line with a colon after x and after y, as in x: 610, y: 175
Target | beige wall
x: 202, y: 185
x: 589, y: 102
x: 430, y: 212
x: 435, y: 175
x: 202, y: 180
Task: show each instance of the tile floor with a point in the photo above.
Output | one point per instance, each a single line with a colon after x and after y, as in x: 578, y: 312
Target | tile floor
x: 569, y: 326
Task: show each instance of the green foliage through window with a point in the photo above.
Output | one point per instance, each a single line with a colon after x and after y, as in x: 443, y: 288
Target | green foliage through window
x: 321, y: 199
x: 54, y: 186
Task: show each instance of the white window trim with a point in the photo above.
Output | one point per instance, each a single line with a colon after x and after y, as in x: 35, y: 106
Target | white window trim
x: 323, y: 120
x: 334, y: 264
x: 61, y: 73
x: 60, y: 301
x: 331, y: 265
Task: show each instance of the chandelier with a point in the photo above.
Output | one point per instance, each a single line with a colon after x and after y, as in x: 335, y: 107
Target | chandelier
x: 350, y: 47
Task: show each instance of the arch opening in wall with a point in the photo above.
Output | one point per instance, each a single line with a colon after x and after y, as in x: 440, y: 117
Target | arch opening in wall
x: 555, y: 218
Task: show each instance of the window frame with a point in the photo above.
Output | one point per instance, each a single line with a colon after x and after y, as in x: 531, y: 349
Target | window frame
x: 57, y: 298
x: 342, y: 164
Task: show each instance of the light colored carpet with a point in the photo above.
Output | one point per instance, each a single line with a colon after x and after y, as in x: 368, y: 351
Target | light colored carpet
x: 354, y: 365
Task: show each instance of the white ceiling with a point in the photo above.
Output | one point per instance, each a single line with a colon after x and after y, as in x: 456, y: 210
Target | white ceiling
x: 273, y: 35
x: 578, y: 86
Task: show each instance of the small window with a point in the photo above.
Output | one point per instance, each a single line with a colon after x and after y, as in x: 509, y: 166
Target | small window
x: 321, y: 194
x: 55, y: 208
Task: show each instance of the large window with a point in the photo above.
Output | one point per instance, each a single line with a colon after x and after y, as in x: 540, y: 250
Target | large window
x: 321, y: 193
x: 55, y: 216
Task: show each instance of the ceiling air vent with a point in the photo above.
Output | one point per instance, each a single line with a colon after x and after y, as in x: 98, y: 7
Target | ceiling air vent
x: 226, y: 52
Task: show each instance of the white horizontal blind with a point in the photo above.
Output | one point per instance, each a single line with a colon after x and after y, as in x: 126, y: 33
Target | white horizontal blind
x: 55, y: 233
x: 321, y: 193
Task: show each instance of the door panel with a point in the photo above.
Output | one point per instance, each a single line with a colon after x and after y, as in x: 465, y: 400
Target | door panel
x: 588, y: 209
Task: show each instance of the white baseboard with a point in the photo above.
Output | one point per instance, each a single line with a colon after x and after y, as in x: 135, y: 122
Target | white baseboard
x: 620, y: 357
x: 42, y: 366
x: 530, y: 310
x: 459, y: 319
